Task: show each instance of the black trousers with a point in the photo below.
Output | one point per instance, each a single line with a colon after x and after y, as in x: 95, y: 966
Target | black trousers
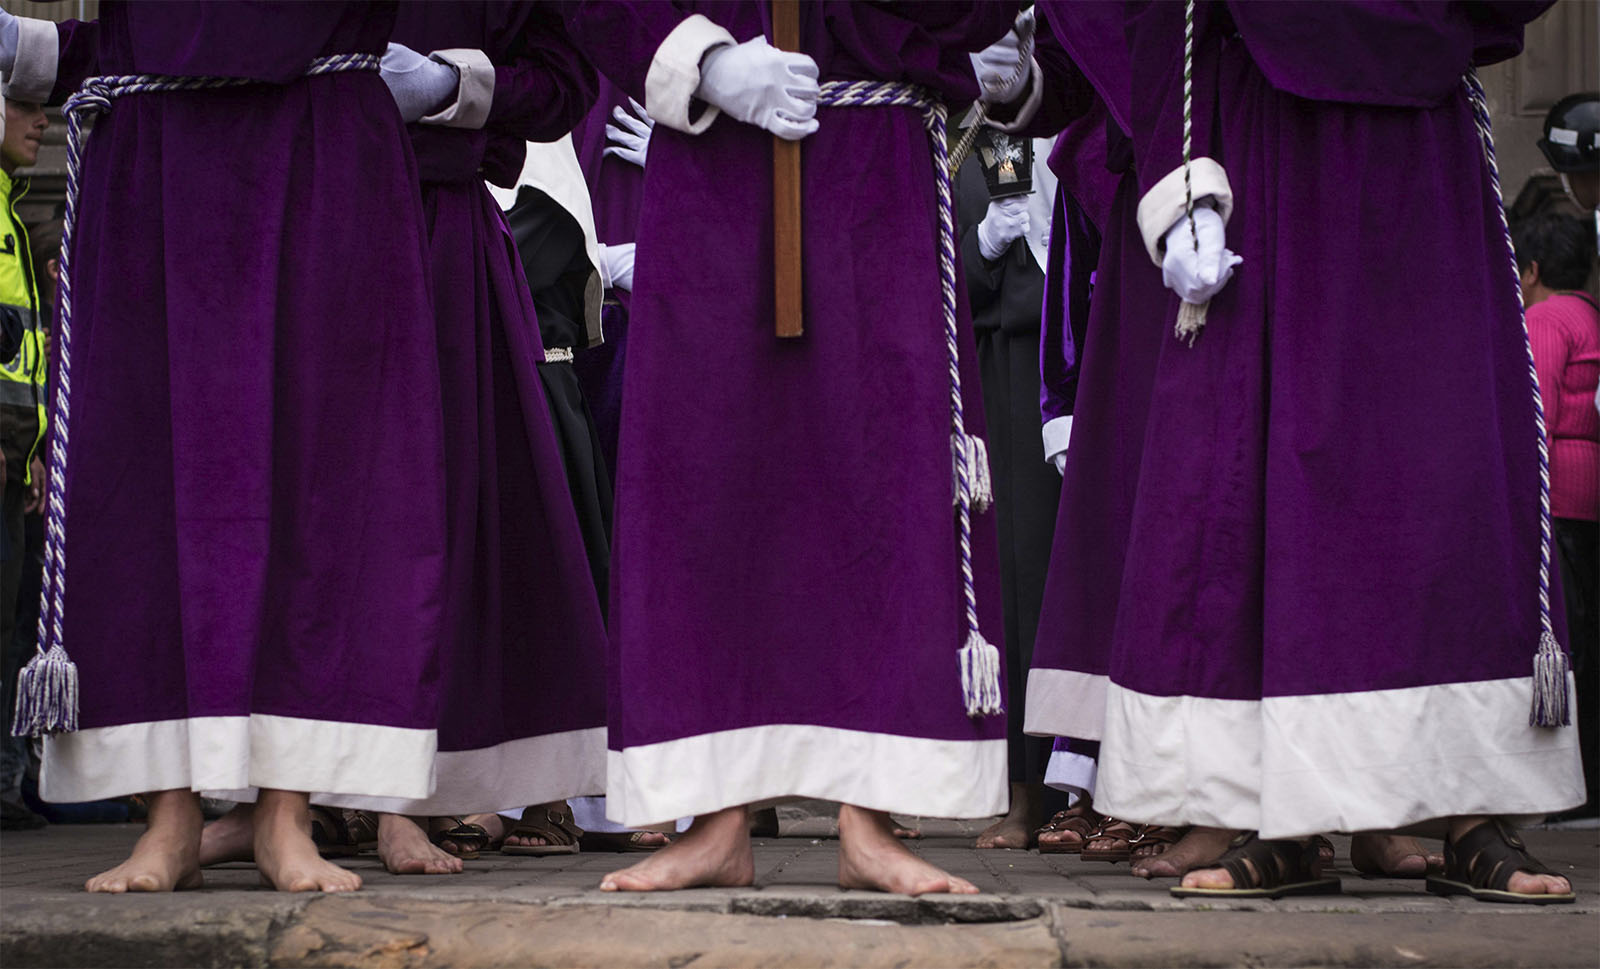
x: 1577, y: 554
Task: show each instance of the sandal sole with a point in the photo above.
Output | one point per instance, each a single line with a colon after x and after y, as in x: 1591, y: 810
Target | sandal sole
x: 1051, y: 849
x: 1320, y: 886
x: 538, y: 851
x: 1444, y: 886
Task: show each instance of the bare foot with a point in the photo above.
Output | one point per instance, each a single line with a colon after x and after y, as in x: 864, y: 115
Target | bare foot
x: 1391, y: 856
x: 285, y: 854
x: 1016, y: 829
x: 229, y: 838
x: 714, y: 853
x: 406, y: 850
x: 1521, y: 882
x: 167, y: 855
x: 1200, y: 846
x: 871, y: 857
x: 905, y: 832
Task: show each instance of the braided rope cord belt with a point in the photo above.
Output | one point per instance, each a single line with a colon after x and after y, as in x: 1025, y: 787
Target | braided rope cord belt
x: 980, y: 660
x: 1550, y: 664
x: 47, y: 688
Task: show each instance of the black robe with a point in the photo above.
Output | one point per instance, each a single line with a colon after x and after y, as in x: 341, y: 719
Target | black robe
x: 1006, y: 297
x: 550, y: 245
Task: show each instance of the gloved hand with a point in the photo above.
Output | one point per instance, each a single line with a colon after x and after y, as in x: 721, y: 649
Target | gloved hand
x: 10, y: 36
x: 628, y: 137
x: 1002, y: 67
x: 616, y: 266
x: 759, y: 84
x: 1197, y: 275
x: 1005, y: 222
x: 1059, y: 459
x: 417, y: 82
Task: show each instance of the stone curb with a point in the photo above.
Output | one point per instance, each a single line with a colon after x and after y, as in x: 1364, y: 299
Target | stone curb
x: 762, y: 929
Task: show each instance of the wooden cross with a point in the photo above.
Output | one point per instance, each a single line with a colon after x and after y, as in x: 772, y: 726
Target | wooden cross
x: 786, y: 231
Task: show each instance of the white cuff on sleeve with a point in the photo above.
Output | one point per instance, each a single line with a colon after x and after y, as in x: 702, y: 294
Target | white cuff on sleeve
x: 603, y: 266
x: 1030, y: 106
x: 474, y: 94
x: 1057, y: 435
x: 1162, y: 206
x: 33, y: 76
x: 674, y: 74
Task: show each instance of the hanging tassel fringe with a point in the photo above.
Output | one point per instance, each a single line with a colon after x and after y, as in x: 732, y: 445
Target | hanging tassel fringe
x: 1550, y: 707
x: 980, y: 676
x: 1191, y: 319
x: 981, y: 498
x: 47, y: 695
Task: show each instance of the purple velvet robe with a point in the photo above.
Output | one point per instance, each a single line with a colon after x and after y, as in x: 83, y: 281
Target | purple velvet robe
x: 787, y: 604
x: 522, y: 713
x: 255, y: 534
x: 1328, y: 604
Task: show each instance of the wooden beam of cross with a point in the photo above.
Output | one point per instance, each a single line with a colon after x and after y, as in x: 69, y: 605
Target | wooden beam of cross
x: 789, y: 309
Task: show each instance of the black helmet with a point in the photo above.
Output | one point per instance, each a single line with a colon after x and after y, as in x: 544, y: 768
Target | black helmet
x: 1572, y: 134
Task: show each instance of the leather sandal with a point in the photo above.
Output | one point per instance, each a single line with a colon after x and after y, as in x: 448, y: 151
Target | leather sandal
x: 1081, y: 819
x: 1266, y: 869
x: 1112, y: 841
x: 557, y: 828
x: 330, y: 832
x: 1481, y: 865
x: 616, y: 841
x: 1155, y: 839
x: 465, y: 840
x: 1324, y: 848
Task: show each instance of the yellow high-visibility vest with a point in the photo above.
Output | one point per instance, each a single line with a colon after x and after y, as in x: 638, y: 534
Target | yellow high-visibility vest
x: 22, y: 377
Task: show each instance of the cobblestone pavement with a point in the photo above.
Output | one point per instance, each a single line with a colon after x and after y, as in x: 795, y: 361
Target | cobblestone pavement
x: 1035, y: 910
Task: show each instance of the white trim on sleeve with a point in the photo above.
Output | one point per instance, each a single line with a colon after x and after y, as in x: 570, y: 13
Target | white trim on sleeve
x: 1162, y: 206
x: 674, y: 74
x: 33, y: 75
x: 1057, y: 435
x: 474, y: 93
x: 1030, y: 106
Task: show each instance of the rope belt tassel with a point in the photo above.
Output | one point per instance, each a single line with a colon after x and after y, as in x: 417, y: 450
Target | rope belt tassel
x: 980, y: 660
x: 47, y: 688
x: 1550, y: 664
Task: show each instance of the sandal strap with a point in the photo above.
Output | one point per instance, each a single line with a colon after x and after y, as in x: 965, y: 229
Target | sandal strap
x: 1488, y: 855
x: 1254, y: 863
x: 554, y: 827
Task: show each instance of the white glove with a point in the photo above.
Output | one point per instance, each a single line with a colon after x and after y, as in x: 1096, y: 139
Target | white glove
x: 418, y: 83
x: 616, y: 266
x: 1059, y: 459
x: 1004, y: 223
x: 1002, y: 67
x: 10, y: 36
x: 759, y: 84
x: 1196, y: 275
x: 628, y: 137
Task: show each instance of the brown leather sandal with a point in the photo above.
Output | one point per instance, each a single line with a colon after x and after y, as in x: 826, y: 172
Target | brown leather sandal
x: 1266, y: 869
x: 1481, y: 865
x: 1112, y: 841
x: 557, y: 828
x: 1081, y: 819
x: 617, y: 841
x: 330, y: 832
x: 1155, y: 839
